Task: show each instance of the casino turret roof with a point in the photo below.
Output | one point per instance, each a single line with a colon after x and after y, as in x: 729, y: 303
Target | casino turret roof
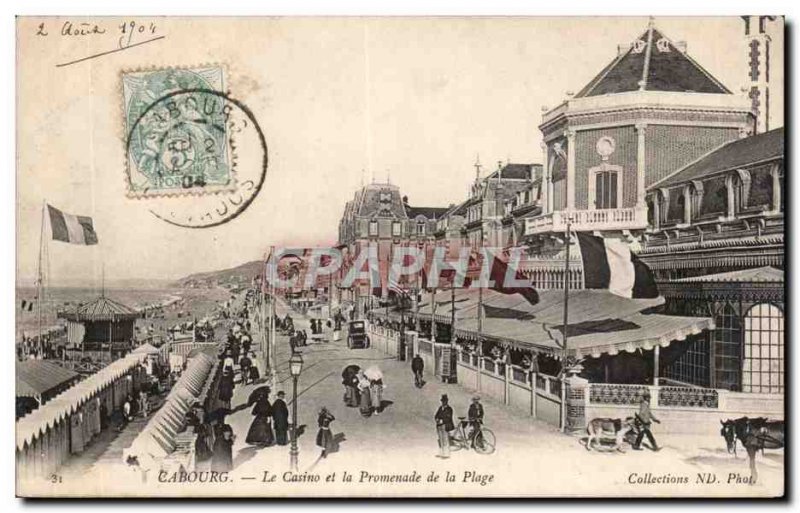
x: 653, y: 63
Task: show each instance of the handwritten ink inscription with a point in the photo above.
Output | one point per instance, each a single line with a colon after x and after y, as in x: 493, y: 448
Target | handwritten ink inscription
x: 128, y: 34
x: 127, y: 30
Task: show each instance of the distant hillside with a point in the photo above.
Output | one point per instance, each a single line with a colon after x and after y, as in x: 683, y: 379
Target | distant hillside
x: 238, y: 276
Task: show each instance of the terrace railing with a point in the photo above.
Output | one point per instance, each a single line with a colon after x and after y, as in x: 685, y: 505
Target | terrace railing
x: 691, y: 397
x: 674, y: 396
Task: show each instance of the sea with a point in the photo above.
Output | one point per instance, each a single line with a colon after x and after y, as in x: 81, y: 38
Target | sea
x: 67, y: 298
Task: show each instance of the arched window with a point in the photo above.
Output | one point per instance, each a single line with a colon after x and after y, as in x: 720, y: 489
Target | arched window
x: 762, y: 368
x: 727, y: 340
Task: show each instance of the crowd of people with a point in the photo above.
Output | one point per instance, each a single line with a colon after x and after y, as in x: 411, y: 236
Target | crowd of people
x: 363, y: 389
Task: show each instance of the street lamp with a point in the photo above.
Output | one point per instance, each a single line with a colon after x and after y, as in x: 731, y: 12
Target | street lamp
x: 295, y: 367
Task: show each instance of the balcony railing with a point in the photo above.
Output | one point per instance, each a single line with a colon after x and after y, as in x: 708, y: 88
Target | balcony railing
x: 632, y: 218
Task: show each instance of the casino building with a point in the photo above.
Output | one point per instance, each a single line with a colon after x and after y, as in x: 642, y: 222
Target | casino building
x: 656, y: 152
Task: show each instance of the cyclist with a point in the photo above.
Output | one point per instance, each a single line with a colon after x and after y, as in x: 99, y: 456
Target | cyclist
x: 474, y: 417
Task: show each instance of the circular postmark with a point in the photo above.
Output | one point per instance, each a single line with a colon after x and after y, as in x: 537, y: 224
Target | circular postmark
x: 197, y: 156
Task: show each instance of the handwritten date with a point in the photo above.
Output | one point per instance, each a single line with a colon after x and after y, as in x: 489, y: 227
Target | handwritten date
x: 128, y: 30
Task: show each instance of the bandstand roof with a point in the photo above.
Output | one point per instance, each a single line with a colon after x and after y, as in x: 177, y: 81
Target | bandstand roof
x: 101, y: 309
x: 600, y: 322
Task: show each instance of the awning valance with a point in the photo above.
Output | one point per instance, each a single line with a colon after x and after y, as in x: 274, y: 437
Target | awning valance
x: 599, y: 322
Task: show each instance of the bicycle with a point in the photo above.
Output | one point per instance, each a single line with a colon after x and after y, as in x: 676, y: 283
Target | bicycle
x: 482, y: 438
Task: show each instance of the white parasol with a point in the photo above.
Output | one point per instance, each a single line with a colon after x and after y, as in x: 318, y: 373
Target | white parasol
x: 373, y: 373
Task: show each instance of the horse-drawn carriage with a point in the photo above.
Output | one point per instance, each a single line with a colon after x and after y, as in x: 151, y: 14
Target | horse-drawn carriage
x: 754, y: 434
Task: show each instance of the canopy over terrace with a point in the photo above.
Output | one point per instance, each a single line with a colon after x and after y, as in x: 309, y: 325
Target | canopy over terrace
x: 599, y: 322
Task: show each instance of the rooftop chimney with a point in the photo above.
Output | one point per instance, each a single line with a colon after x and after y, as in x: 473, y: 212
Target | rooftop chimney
x: 758, y: 49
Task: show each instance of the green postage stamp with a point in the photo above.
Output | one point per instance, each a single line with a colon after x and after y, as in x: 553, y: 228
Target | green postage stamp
x: 175, y: 132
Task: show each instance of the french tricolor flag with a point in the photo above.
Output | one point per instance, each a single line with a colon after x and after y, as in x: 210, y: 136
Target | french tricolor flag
x: 70, y: 228
x: 609, y: 264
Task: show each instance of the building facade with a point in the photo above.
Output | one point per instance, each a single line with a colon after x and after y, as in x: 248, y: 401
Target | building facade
x: 656, y: 152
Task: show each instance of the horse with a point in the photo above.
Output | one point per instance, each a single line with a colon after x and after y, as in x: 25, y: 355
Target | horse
x: 732, y: 428
x: 756, y: 433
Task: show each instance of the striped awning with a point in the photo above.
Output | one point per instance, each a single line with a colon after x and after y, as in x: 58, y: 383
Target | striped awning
x: 158, y: 438
x: 599, y: 322
x: 51, y: 413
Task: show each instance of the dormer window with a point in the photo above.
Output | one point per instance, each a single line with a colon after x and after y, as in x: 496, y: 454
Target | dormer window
x: 420, y: 227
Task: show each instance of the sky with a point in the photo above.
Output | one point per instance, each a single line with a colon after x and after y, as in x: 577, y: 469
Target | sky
x: 342, y: 101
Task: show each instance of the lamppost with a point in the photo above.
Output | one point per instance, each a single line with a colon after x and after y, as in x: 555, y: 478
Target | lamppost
x: 295, y: 367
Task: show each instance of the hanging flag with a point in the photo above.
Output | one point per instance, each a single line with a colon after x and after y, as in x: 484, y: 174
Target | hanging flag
x: 70, y: 228
x: 498, y: 275
x: 609, y: 264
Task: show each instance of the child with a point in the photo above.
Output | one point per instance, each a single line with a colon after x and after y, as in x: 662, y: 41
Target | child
x: 324, y: 436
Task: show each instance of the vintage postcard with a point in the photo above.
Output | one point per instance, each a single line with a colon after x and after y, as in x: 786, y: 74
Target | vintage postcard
x: 447, y: 257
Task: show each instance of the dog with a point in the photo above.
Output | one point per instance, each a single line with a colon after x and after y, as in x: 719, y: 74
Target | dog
x: 604, y: 428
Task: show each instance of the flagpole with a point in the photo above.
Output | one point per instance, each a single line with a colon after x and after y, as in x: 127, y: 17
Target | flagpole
x: 566, y: 325
x: 40, y: 286
x: 480, y: 331
x: 453, y: 313
x: 272, y: 349
x: 433, y: 314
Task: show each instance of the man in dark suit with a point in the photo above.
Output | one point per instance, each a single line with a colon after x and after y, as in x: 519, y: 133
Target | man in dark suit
x: 417, y: 366
x: 280, y: 418
x: 444, y: 425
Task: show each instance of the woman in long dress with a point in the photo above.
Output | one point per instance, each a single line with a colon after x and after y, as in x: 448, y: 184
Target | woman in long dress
x: 260, y: 432
x: 203, y: 444
x: 255, y: 375
x: 222, y: 457
x: 365, y: 401
x: 350, y: 382
x: 376, y: 393
x: 226, y: 388
x: 324, y: 435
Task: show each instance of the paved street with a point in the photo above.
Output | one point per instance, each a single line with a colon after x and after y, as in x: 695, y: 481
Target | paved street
x: 531, y: 455
x: 403, y: 439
